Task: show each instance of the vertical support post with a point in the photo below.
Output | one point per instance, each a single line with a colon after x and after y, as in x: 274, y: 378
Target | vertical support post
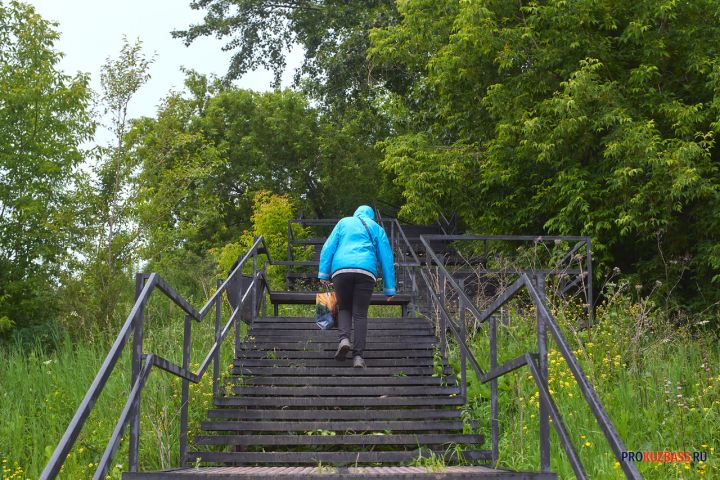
x: 263, y: 302
x: 290, y: 252
x: 588, y: 259
x: 463, y: 337
x: 543, y: 368
x: 494, y: 414
x: 254, y: 287
x: 134, y: 441
x: 392, y: 234
x: 216, y: 359
x: 185, y: 391
x: 443, y: 324
x: 414, y: 297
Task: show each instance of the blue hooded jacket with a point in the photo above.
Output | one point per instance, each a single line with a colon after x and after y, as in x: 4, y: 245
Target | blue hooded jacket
x: 349, y: 246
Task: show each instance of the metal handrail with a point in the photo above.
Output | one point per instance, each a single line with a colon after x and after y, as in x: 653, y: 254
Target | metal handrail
x: 142, y: 364
x: 534, y: 361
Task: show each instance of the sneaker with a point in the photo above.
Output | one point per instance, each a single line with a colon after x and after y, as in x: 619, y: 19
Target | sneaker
x: 358, y: 362
x: 342, y: 350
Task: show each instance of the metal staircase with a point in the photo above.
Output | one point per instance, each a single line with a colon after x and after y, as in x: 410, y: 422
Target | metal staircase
x: 294, y: 412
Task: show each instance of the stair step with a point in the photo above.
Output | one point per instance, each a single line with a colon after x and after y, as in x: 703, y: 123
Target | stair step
x: 314, y: 458
x: 418, y: 325
x: 350, y: 380
x: 467, y: 472
x: 382, y: 401
x: 330, y: 362
x: 334, y: 414
x: 312, y: 440
x: 333, y: 425
x: 267, y: 336
x: 343, y: 391
x: 338, y: 371
x: 400, y: 344
x: 320, y: 354
x: 394, y: 322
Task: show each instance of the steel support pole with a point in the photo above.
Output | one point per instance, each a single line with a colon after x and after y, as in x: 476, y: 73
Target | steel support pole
x: 134, y: 440
x: 494, y: 412
x: 442, y: 321
x: 463, y: 338
x: 216, y: 357
x: 185, y: 391
x: 543, y: 368
x: 253, y: 301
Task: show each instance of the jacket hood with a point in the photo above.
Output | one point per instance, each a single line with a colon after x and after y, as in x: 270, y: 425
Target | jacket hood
x: 365, y: 211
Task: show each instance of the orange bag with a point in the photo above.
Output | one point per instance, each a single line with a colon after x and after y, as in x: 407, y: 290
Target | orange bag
x: 325, y: 309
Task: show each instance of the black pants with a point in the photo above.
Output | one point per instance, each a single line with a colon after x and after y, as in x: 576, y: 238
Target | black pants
x: 353, y: 291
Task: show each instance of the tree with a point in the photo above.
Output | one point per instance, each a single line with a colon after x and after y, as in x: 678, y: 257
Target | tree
x: 585, y: 117
x: 333, y: 34
x: 43, y: 121
x: 208, y: 152
x: 109, y: 199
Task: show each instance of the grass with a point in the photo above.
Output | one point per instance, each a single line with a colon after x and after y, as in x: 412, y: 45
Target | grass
x: 43, y: 387
x: 659, y: 382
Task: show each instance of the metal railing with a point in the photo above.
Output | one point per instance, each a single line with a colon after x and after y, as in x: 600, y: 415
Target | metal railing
x: 537, y: 362
x: 142, y: 364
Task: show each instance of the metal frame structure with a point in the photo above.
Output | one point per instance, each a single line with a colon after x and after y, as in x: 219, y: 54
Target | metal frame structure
x: 537, y: 362
x: 410, y: 265
x: 142, y: 364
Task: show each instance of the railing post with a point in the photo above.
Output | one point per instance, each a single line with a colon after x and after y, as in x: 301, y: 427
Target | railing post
x: 253, y: 301
x: 415, y: 296
x: 216, y: 359
x: 543, y: 368
x: 134, y: 440
x: 185, y: 398
x: 494, y: 414
x: 443, y: 324
x: 589, y: 270
x: 463, y: 338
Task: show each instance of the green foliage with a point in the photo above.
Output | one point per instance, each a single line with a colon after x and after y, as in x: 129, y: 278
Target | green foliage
x: 333, y: 34
x: 43, y: 120
x: 106, y: 213
x: 270, y: 217
x: 206, y: 155
x: 658, y: 381
x: 582, y: 117
x: 48, y: 384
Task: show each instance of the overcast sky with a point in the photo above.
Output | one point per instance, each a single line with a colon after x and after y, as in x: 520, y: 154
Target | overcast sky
x: 92, y: 30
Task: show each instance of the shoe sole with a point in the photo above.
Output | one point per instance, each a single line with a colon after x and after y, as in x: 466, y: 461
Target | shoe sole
x: 362, y: 365
x: 341, y: 352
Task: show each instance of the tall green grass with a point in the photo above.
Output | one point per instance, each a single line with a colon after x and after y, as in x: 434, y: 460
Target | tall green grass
x: 42, y: 386
x: 659, y: 382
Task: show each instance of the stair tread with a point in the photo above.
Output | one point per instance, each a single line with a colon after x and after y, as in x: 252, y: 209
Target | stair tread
x: 335, y: 473
x: 331, y: 425
x: 331, y: 362
x: 336, y: 401
x: 330, y: 457
x: 345, y: 391
x: 303, y: 440
x: 325, y: 354
x: 333, y: 414
x: 339, y: 370
x: 348, y: 380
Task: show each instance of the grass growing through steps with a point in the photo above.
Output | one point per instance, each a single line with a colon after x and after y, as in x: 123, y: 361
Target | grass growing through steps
x: 659, y: 382
x: 42, y: 388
